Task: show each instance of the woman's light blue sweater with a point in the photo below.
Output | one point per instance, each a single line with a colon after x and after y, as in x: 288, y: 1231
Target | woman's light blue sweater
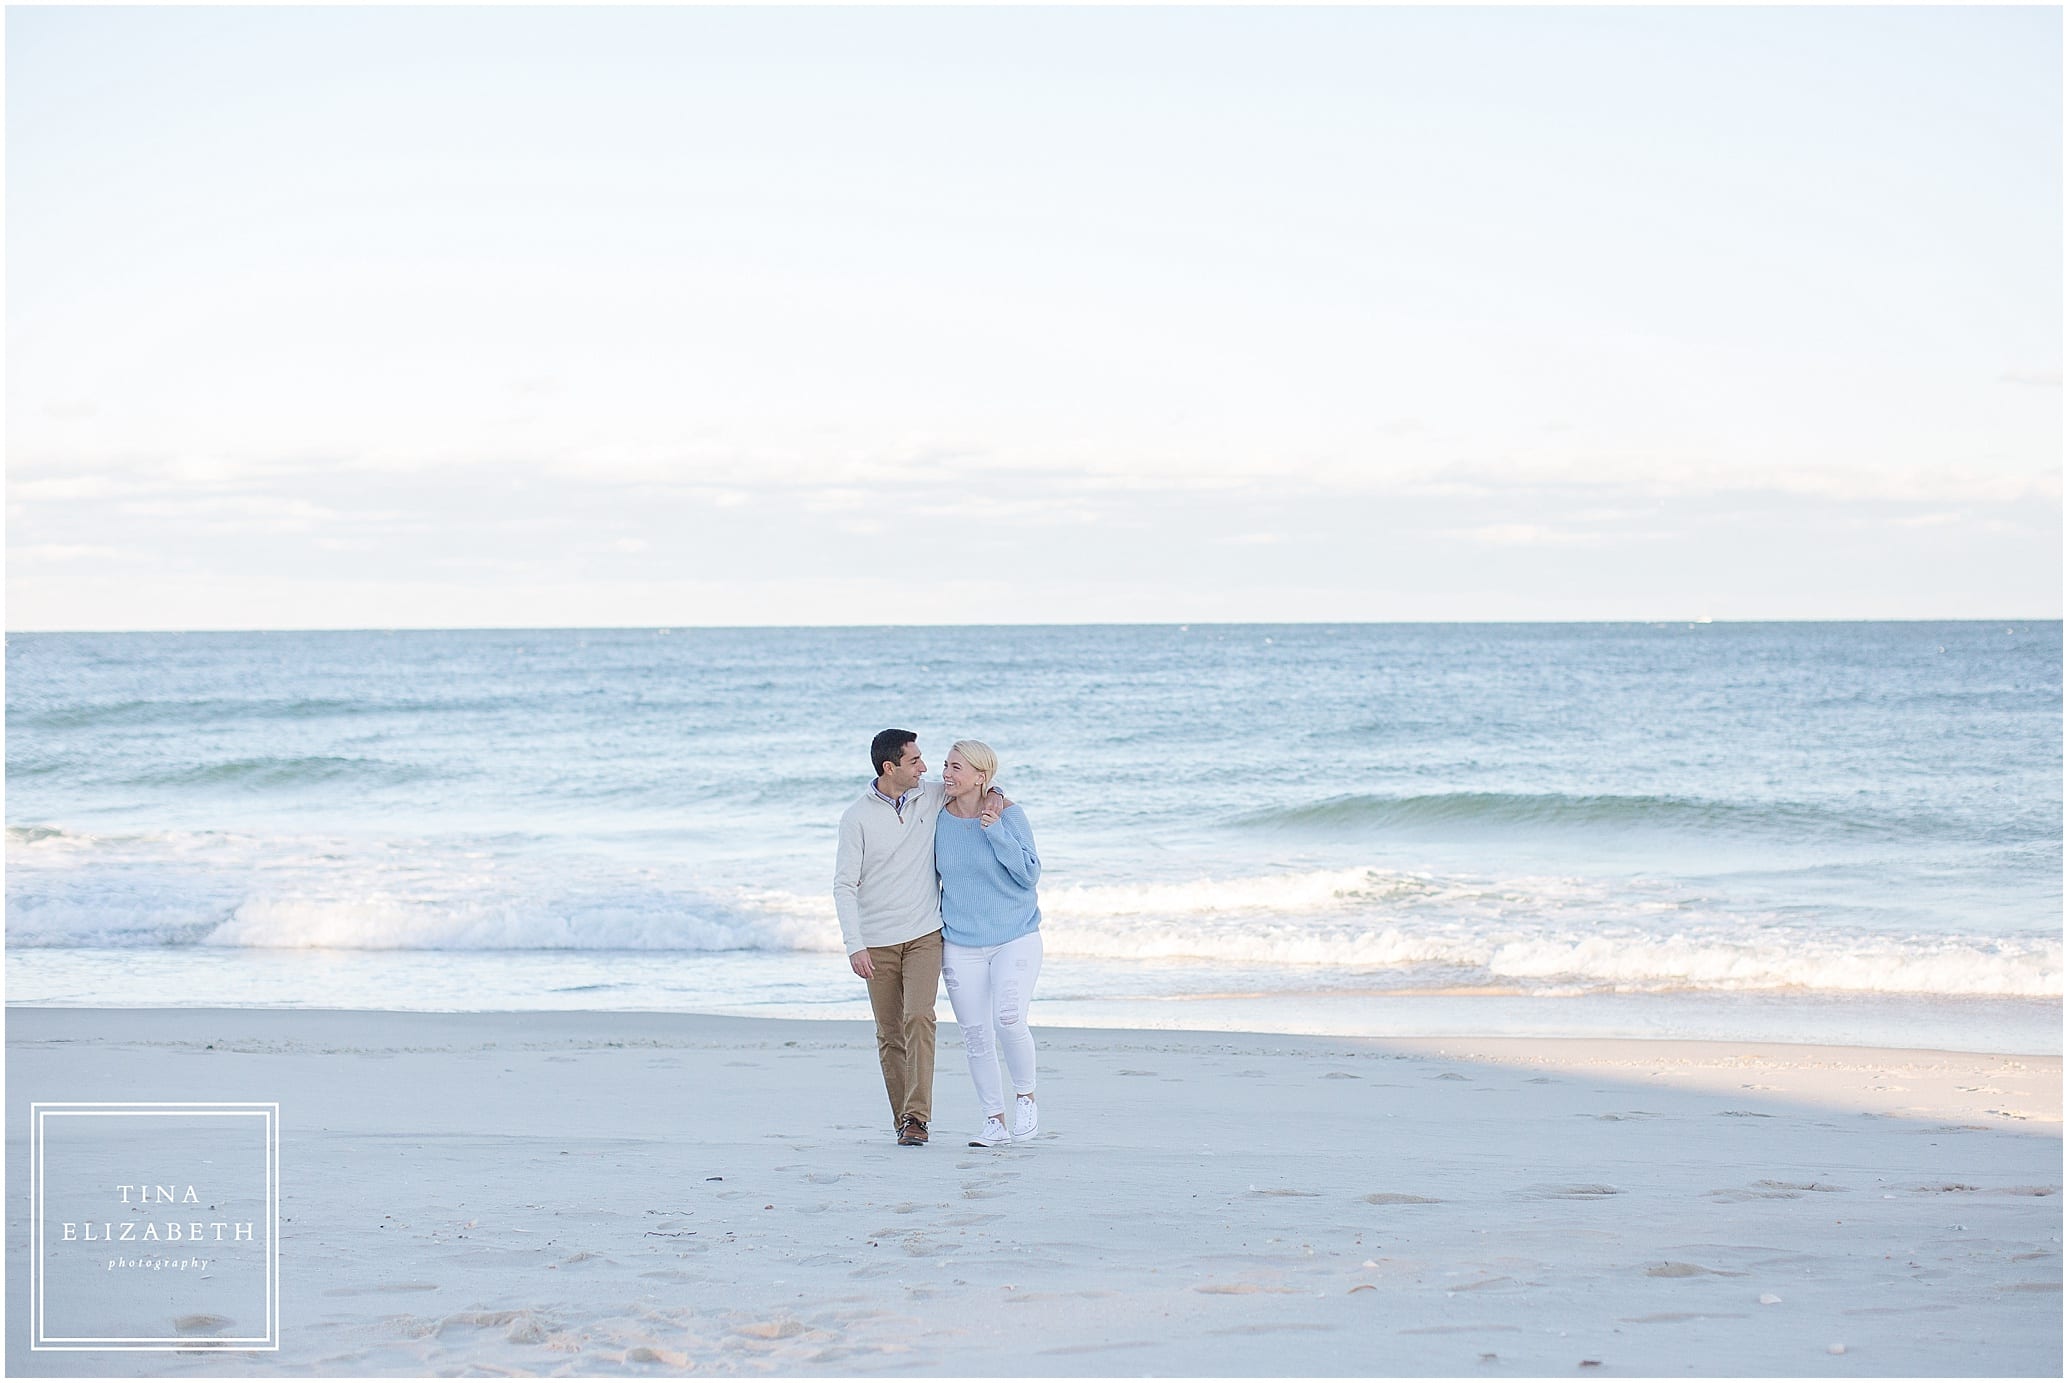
x: 987, y: 878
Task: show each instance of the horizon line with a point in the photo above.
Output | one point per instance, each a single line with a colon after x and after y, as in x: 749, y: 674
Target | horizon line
x: 1044, y: 624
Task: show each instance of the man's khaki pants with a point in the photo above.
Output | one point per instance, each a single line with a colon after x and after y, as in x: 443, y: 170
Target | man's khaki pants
x: 902, y: 990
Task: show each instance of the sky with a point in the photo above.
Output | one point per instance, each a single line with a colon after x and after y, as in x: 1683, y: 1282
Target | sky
x: 394, y: 318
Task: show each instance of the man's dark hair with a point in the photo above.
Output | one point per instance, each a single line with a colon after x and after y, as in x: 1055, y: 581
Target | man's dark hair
x: 888, y: 747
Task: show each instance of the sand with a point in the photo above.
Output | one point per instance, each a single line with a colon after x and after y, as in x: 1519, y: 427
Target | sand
x: 660, y: 1194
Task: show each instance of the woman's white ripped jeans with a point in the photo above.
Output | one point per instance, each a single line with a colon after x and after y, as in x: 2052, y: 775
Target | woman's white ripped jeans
x: 990, y: 988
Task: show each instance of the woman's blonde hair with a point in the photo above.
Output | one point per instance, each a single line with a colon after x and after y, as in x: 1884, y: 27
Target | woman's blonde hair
x: 978, y: 756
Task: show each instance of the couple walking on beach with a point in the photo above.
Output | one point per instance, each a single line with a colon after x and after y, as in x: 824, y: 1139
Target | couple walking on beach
x: 935, y: 881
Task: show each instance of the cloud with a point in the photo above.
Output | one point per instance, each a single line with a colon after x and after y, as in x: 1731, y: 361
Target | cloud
x: 69, y: 552
x: 1628, y: 479
x: 253, y: 513
x: 74, y: 487
x: 1524, y: 535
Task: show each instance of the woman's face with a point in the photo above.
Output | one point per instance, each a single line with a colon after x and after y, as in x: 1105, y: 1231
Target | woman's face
x: 958, y: 777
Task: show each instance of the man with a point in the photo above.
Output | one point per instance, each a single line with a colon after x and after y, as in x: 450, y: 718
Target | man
x: 889, y: 904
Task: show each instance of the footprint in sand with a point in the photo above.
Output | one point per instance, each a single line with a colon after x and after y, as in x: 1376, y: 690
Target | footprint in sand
x: 1244, y: 1289
x: 522, y: 1327
x: 1399, y: 1198
x: 194, y: 1325
x: 1450, y: 1075
x: 647, y: 1354
x: 1279, y: 1191
x: 381, y: 1288
x: 1687, y: 1270
x: 1269, y: 1327
x: 1134, y: 1073
x: 782, y: 1328
x: 1774, y: 1190
x: 834, y: 1352
x: 1341, y: 1075
x: 1584, y: 1192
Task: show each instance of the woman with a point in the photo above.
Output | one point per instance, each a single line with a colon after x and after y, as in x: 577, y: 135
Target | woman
x: 990, y: 937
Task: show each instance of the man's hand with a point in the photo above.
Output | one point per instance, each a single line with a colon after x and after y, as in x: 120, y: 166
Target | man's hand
x: 995, y: 803
x: 863, y: 966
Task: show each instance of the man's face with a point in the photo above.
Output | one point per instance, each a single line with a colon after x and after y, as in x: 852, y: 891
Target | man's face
x: 908, y: 771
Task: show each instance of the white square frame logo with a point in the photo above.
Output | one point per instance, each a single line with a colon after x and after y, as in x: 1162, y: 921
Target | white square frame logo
x: 44, y: 1110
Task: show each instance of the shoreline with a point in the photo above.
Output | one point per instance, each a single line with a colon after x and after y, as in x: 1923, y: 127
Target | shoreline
x: 604, y: 1191
x: 1077, y: 994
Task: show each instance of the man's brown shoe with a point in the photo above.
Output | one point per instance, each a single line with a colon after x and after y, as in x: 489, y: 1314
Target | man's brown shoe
x: 912, y: 1134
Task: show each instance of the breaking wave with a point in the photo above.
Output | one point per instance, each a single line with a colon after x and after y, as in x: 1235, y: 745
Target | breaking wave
x: 1547, y: 934
x: 1555, y: 810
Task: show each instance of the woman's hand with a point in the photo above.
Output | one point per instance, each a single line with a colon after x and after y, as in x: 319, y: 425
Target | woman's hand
x: 995, y: 803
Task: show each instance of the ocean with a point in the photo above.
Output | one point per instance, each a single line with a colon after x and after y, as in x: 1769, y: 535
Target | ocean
x: 1791, y: 832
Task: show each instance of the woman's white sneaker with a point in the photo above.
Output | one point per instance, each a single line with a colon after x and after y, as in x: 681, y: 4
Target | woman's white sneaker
x: 1026, y: 1120
x: 993, y: 1136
